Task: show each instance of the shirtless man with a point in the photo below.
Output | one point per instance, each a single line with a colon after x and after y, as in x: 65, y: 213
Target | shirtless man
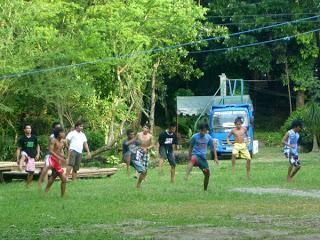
x: 240, y: 146
x: 57, y: 145
x: 142, y: 157
x: 44, y: 171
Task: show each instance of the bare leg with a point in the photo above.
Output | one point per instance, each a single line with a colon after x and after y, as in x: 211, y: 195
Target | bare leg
x: 63, y: 184
x: 68, y: 171
x: 141, y: 177
x: 189, y: 169
x: 50, y: 182
x: 128, y: 159
x: 29, y: 179
x: 248, y: 168
x: 173, y: 174
x: 20, y: 163
x: 294, y: 171
x: 74, y: 175
x: 234, y: 157
x: 161, y: 162
x: 289, y: 178
x: 43, y: 175
x: 206, y: 173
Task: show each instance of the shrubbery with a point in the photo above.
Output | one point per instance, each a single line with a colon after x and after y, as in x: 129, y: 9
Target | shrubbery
x: 270, y: 139
x: 7, y: 150
x: 95, y: 139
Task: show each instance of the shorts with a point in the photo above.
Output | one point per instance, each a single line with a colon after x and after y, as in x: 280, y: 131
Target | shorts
x: 46, y: 160
x: 140, y: 161
x: 293, y: 159
x: 75, y: 160
x: 241, y: 150
x: 166, y: 154
x: 200, y: 162
x: 30, y: 163
x: 126, y: 155
x: 55, y: 164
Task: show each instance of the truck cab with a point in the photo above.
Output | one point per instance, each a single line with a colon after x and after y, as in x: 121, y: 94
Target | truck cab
x: 222, y: 121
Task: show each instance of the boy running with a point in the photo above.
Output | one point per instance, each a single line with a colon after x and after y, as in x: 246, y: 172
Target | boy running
x: 44, y: 171
x: 167, y: 143
x: 129, y: 149
x: 56, y: 147
x: 290, y: 141
x: 142, y: 157
x: 28, y: 151
x: 240, y: 148
x: 198, y: 153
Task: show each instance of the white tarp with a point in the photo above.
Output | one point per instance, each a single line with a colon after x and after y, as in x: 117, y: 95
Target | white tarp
x: 195, y: 105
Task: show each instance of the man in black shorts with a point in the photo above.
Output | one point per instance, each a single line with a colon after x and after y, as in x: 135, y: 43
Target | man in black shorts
x: 167, y: 142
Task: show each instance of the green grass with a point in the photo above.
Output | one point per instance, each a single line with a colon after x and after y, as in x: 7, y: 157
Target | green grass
x: 107, y: 208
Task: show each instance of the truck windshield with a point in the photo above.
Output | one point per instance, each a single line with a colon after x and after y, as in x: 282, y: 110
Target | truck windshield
x: 224, y: 120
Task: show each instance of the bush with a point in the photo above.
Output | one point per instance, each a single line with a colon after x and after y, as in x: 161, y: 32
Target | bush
x: 43, y: 141
x: 186, y: 124
x: 270, y: 139
x: 7, y: 150
x: 306, y: 137
x: 95, y: 139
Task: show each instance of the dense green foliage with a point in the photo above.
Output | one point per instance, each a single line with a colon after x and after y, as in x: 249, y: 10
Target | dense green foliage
x: 92, y: 60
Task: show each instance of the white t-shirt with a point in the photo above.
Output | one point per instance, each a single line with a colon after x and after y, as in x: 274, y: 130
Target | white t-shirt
x: 76, y: 139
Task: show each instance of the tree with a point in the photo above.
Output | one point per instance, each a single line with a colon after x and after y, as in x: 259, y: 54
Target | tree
x: 312, y: 121
x: 297, y: 57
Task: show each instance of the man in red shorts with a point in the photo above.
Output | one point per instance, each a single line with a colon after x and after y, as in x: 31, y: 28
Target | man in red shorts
x: 57, y: 145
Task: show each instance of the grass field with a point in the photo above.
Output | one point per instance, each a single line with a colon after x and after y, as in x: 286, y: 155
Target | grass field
x: 111, y: 208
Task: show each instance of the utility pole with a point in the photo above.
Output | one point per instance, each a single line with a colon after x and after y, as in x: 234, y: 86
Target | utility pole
x: 223, y: 85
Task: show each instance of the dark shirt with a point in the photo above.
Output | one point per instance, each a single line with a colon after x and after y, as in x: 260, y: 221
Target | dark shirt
x: 167, y: 140
x: 29, y: 145
x: 130, y: 147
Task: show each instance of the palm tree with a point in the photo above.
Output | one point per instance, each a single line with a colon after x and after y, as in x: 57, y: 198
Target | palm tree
x: 312, y: 121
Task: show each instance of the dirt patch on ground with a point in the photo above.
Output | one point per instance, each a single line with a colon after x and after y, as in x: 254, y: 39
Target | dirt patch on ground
x: 310, y: 222
x: 301, y: 237
x: 280, y: 191
x: 203, y: 232
x: 140, y: 229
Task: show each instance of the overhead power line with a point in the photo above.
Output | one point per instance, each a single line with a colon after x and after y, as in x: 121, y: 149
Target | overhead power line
x: 145, y: 52
x: 262, y: 22
x: 261, y: 15
x: 254, y: 44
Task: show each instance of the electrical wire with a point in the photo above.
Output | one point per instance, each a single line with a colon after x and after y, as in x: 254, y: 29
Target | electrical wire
x: 145, y: 52
x: 287, y: 38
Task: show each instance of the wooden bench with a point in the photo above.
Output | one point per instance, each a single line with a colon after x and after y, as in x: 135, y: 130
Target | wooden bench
x: 9, y: 171
x: 8, y: 167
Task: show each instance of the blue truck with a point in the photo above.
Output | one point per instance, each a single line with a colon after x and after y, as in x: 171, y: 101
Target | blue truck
x: 221, y: 121
x: 220, y: 112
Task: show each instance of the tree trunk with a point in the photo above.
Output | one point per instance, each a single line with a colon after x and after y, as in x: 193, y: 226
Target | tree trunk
x: 300, y: 99
x: 315, y: 147
x: 153, y: 95
x: 166, y: 111
x: 288, y: 84
x: 60, y: 114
